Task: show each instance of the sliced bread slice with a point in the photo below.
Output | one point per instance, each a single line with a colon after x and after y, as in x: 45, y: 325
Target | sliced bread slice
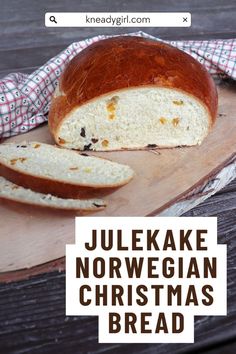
x: 13, y: 192
x: 48, y: 169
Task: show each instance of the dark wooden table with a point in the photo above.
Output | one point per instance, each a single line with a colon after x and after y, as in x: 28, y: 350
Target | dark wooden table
x: 32, y: 311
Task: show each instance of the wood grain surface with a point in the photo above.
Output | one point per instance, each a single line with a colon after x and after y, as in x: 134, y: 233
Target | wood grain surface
x: 162, y: 177
x: 32, y: 311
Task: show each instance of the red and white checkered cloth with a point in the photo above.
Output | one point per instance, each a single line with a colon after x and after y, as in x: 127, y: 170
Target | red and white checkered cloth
x: 25, y: 99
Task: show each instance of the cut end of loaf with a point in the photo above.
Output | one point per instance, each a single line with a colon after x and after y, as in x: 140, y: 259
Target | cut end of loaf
x: 136, y: 118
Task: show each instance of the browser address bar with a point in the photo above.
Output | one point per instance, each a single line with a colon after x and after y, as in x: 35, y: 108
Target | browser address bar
x: 117, y: 19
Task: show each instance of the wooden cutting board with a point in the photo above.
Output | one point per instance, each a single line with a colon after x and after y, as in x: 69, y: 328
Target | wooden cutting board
x: 31, y: 236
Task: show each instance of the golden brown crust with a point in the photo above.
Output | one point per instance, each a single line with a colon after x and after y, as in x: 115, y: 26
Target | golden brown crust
x: 124, y: 62
x: 54, y: 187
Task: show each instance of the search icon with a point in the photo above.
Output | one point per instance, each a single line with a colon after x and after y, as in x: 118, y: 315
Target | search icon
x: 52, y: 19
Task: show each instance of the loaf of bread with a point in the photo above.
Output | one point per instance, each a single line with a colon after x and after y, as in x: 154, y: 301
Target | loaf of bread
x: 64, y: 173
x: 132, y: 93
x: 15, y: 193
